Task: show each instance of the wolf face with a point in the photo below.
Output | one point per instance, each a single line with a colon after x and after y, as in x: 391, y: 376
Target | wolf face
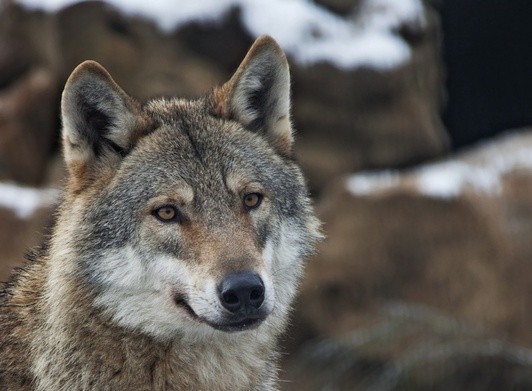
x: 187, y: 217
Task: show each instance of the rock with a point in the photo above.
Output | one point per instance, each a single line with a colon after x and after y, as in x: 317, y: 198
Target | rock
x: 29, y: 126
x: 371, y: 118
x: 340, y: 7
x: 14, y: 60
x: 18, y: 236
x: 451, y: 237
x: 27, y: 40
x: 29, y: 93
x: 143, y: 60
x: 224, y: 43
x: 447, y: 253
x: 415, y: 348
x: 25, y: 215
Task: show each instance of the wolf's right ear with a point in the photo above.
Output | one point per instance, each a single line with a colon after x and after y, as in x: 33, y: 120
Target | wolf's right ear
x: 101, y: 122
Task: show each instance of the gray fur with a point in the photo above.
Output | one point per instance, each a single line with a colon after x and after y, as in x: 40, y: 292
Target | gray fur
x: 103, y: 308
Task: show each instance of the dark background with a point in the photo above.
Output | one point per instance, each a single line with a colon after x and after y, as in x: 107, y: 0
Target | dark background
x: 488, y: 59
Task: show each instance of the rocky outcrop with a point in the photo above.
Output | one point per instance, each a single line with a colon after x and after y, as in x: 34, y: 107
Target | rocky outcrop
x: 373, y: 118
x: 451, y: 237
x: 28, y: 126
x: 144, y: 61
x: 408, y: 346
x: 29, y: 94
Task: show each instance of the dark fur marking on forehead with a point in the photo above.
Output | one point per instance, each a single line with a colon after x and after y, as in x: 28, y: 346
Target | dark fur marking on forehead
x: 186, y: 130
x: 184, y: 116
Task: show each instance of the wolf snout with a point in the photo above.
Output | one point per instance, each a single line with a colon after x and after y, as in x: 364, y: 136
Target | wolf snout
x: 242, y: 292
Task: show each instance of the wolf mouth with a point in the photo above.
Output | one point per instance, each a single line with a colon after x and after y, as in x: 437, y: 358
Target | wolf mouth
x: 248, y: 323
x: 243, y: 325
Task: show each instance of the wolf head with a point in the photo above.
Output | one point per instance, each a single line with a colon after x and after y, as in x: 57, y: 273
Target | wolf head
x: 187, y: 216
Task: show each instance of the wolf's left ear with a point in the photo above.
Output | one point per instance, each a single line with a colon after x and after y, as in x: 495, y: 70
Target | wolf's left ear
x: 101, y: 122
x: 258, y: 94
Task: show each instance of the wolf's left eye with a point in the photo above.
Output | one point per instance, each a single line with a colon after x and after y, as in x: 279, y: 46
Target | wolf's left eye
x: 252, y: 200
x: 167, y: 213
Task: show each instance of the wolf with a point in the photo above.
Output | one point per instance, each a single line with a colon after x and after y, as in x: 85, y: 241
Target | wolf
x: 178, y: 244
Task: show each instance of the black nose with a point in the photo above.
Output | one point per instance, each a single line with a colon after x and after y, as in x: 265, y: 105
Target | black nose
x: 242, y: 291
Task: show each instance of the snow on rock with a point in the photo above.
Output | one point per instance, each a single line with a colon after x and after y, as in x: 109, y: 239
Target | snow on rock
x: 24, y: 201
x: 480, y: 170
x: 367, y: 183
x: 306, y: 31
x: 447, y: 180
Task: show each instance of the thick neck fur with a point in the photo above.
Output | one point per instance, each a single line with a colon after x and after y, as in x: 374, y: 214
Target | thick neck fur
x: 82, y: 350
x: 77, y: 347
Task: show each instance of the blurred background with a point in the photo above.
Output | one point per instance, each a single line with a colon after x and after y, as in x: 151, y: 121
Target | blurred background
x: 412, y: 121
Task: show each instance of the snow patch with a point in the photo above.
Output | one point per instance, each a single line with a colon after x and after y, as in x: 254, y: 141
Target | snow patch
x: 368, y: 183
x: 448, y: 180
x: 480, y: 170
x: 24, y: 201
x: 306, y: 31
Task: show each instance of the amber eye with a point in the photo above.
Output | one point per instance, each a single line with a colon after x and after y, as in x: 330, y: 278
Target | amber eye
x: 167, y: 213
x: 252, y: 200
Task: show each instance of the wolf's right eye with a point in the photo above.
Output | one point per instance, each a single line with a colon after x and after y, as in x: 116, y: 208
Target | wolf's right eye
x: 167, y: 214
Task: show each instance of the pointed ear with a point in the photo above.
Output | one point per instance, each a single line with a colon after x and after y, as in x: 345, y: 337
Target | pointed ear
x: 258, y: 94
x: 101, y: 123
